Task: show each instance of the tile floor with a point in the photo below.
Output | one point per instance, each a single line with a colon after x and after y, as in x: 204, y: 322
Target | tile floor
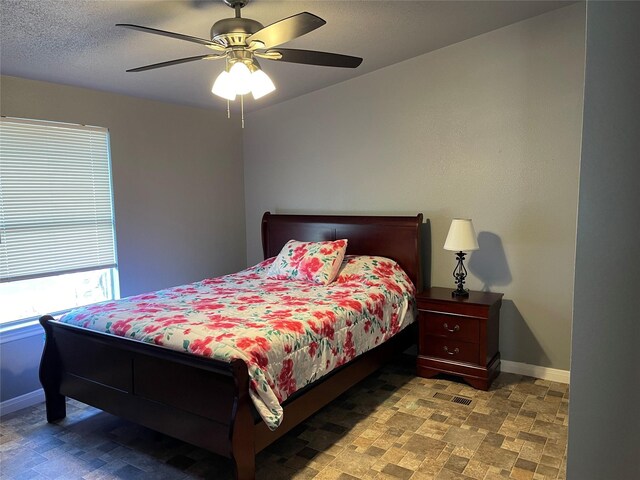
x: 393, y: 425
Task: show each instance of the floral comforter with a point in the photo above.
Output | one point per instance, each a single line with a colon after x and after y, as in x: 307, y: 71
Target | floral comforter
x: 289, y: 333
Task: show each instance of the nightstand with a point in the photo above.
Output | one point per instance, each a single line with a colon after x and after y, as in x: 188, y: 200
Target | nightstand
x: 459, y: 335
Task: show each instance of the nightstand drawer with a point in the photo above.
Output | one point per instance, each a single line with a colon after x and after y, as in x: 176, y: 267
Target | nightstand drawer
x: 450, y: 349
x: 450, y: 326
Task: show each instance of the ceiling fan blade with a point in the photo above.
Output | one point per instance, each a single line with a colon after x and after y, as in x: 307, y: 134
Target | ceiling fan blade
x: 210, y: 56
x: 312, y: 57
x: 286, y: 29
x: 179, y: 36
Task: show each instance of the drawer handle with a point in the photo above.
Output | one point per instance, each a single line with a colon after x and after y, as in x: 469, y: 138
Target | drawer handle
x: 455, y: 350
x: 454, y: 329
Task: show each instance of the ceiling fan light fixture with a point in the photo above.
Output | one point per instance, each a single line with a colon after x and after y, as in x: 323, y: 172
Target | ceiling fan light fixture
x: 224, y: 86
x: 261, y: 84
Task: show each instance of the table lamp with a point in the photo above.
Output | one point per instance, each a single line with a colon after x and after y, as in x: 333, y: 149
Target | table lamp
x: 461, y: 238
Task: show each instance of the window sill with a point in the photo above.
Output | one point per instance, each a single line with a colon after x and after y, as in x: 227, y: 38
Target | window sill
x: 29, y: 328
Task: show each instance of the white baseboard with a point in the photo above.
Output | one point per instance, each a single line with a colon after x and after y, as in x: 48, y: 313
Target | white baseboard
x: 23, y: 401
x: 545, y: 373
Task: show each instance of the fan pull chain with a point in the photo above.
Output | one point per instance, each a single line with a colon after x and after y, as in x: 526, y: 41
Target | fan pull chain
x: 226, y: 69
x: 242, y: 108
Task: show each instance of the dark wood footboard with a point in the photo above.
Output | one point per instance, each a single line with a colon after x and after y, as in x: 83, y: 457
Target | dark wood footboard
x: 202, y: 401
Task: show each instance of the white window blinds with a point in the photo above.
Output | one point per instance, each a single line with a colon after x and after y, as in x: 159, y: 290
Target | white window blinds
x: 56, y: 213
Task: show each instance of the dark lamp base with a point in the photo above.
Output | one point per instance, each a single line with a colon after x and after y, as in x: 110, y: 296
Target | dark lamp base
x: 460, y: 293
x: 460, y: 273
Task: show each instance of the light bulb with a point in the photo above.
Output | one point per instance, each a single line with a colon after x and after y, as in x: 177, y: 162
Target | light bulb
x: 223, y: 86
x: 241, y: 78
x: 261, y: 84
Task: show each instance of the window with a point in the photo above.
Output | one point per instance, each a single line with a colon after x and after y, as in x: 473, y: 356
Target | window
x: 57, y: 239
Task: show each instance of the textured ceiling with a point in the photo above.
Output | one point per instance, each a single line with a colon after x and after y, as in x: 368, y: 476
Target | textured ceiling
x: 75, y: 42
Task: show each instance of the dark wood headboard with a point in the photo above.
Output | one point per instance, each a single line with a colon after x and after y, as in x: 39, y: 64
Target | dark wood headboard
x: 397, y: 238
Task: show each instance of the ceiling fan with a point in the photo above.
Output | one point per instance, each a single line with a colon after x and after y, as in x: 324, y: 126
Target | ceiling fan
x: 241, y: 41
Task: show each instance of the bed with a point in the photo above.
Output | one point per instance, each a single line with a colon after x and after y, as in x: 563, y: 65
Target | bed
x: 146, y: 383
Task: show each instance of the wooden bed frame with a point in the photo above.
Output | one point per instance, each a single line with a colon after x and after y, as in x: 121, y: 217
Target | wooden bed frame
x: 203, y: 401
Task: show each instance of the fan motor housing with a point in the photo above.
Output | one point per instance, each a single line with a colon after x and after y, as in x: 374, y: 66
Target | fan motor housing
x: 236, y: 3
x: 234, y: 31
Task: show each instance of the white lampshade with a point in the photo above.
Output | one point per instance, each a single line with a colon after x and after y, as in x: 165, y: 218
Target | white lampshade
x: 261, y: 84
x: 462, y: 236
x: 241, y: 77
x: 223, y: 86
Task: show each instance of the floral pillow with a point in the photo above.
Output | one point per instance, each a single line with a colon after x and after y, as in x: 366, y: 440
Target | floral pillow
x: 372, y: 270
x: 315, y: 262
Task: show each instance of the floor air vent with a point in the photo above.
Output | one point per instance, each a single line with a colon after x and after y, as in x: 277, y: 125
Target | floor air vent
x: 462, y: 400
x: 453, y: 398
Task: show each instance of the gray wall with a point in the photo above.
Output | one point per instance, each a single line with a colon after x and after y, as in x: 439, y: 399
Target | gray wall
x: 604, y: 427
x: 19, y: 362
x: 488, y: 128
x: 178, y: 190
